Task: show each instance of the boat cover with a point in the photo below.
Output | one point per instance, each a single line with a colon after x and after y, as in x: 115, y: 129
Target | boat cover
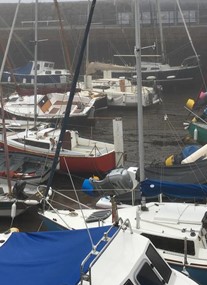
x: 192, y: 173
x: 152, y: 188
x: 188, y: 150
x: 26, y: 69
x: 47, y: 257
x: 201, y: 100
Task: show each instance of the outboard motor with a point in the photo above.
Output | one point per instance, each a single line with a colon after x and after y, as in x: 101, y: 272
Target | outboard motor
x: 117, y: 182
x: 18, y: 190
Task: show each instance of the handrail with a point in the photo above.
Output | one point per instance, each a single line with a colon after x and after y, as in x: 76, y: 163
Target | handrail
x: 105, y: 238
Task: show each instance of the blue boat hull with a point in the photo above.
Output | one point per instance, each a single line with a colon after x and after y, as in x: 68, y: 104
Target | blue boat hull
x: 198, y: 274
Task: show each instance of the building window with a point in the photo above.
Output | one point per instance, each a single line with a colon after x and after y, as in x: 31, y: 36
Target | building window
x: 189, y: 16
x: 124, y: 18
x: 146, y: 18
x: 167, y: 17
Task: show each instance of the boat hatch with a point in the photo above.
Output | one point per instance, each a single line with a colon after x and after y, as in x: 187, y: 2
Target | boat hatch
x: 44, y: 104
x: 41, y: 144
x: 98, y: 216
x: 171, y: 244
x: 182, y: 214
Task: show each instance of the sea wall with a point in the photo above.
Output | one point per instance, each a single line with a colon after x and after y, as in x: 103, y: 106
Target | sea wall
x: 109, y: 37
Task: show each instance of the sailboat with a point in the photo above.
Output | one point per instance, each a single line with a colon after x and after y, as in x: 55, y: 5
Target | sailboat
x: 184, y: 74
x: 47, y: 107
x: 20, y: 181
x: 50, y: 107
x: 175, y: 228
x: 37, y: 75
x: 65, y: 263
x: 20, y: 173
x: 79, y: 154
x: 121, y: 92
x: 165, y: 74
x: 48, y: 76
x: 179, y: 229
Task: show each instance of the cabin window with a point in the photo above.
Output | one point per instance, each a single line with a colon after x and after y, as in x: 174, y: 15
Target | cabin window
x: 147, y: 276
x: 101, y: 87
x: 159, y: 263
x: 155, y: 68
x: 46, y: 64
x: 128, y: 282
x: 14, y: 99
x: 171, y: 244
x: 144, y: 68
x: 57, y: 72
x: 47, y: 72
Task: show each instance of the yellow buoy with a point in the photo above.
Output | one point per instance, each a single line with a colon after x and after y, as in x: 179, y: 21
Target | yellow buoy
x: 190, y: 104
x: 169, y: 161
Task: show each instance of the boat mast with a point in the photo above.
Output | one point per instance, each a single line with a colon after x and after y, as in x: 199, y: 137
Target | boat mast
x: 2, y: 100
x: 66, y: 52
x: 35, y: 64
x: 66, y: 118
x: 161, y: 31
x: 137, y: 52
x: 87, y: 53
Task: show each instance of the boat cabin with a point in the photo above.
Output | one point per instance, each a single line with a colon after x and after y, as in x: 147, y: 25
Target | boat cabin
x: 144, y: 267
x: 176, y: 228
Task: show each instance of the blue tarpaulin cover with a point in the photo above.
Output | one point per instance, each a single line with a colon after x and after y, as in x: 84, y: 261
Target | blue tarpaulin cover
x: 188, y: 150
x: 152, y: 188
x: 46, y: 258
x: 23, y: 69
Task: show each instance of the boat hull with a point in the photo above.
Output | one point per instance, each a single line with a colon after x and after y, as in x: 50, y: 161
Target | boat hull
x: 197, y: 273
x: 77, y: 164
x: 182, y: 75
x: 86, y: 119
x: 30, y: 168
x: 6, y: 206
x: 201, y: 132
x: 99, y: 164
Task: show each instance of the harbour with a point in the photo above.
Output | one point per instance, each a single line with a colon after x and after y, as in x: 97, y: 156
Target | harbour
x: 160, y: 240
x: 162, y: 139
